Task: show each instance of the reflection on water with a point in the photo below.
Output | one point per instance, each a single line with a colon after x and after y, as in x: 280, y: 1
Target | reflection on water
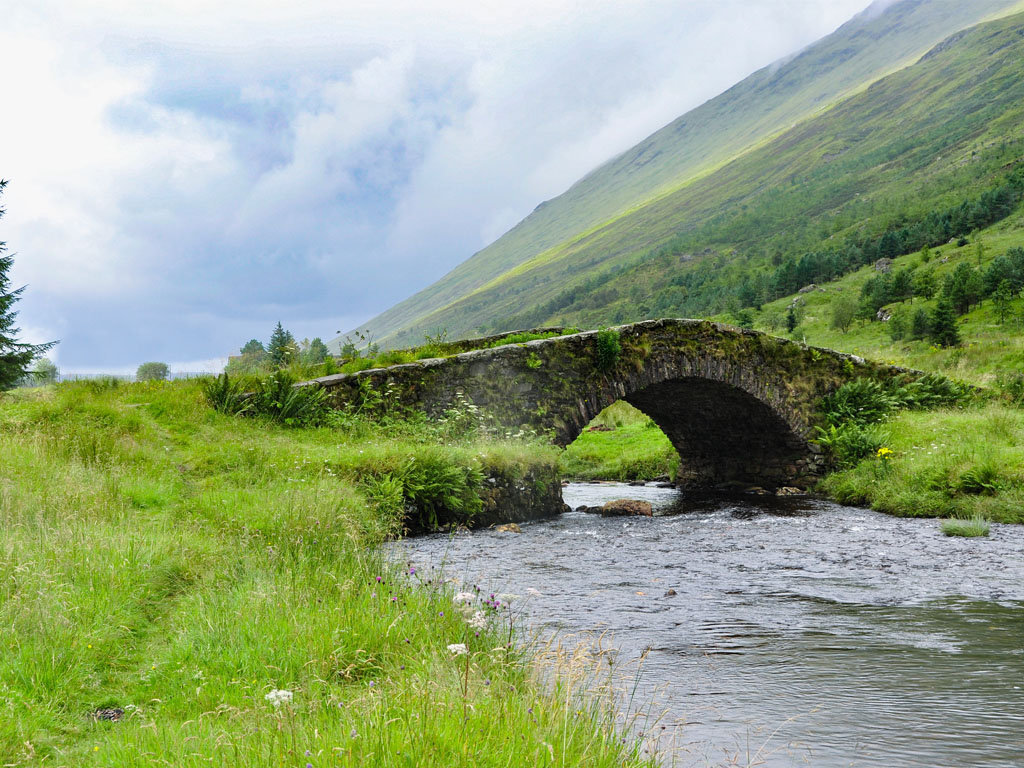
x: 824, y: 635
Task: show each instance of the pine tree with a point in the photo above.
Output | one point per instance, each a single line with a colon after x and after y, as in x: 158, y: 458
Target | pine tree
x: 15, y: 356
x: 943, y: 324
x: 281, y: 347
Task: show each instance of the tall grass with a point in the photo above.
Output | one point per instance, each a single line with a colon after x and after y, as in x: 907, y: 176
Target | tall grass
x: 945, y: 463
x: 173, y: 564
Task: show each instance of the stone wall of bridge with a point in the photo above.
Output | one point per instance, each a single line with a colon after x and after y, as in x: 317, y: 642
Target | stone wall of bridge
x: 739, y: 406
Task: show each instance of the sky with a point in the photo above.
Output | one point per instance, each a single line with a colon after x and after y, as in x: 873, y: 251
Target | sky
x: 185, y: 174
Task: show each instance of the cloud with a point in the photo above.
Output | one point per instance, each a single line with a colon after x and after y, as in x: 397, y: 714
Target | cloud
x: 185, y: 174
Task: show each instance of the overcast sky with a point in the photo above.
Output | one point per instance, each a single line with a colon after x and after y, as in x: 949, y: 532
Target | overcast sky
x: 185, y: 174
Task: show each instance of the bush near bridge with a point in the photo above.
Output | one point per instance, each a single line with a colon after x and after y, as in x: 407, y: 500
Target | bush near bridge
x: 180, y: 587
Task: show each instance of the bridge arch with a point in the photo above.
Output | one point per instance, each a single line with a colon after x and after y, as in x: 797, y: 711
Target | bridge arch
x: 739, y: 406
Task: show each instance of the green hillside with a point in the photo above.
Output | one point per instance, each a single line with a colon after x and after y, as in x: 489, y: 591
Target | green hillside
x: 930, y: 140
x: 746, y: 116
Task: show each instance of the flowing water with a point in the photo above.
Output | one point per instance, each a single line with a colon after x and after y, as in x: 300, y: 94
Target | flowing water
x: 800, y: 632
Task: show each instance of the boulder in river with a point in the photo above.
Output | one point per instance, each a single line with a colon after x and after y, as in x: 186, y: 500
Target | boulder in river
x: 627, y: 508
x: 509, y: 528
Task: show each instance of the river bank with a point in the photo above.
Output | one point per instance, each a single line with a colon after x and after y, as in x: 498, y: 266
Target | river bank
x: 182, y: 587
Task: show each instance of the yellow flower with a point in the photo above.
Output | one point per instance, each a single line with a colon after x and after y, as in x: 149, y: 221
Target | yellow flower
x: 884, y: 453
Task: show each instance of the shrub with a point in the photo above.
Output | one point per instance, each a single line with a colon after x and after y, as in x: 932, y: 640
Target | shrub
x: 279, y: 400
x: 152, y: 372
x: 850, y: 442
x: 861, y: 401
x: 226, y: 396
x: 608, y: 349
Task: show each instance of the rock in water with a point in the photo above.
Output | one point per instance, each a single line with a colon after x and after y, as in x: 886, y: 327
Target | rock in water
x: 627, y: 508
x: 509, y: 528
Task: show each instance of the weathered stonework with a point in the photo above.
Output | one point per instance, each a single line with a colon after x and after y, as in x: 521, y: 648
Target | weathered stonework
x: 739, y: 406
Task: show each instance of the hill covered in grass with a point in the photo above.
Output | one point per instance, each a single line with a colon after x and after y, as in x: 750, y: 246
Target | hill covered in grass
x: 792, y: 142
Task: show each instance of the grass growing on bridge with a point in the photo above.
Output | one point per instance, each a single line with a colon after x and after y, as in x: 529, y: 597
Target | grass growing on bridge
x: 213, y: 586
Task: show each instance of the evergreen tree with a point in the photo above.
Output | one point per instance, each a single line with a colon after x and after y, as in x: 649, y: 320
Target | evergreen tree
x: 1001, y: 298
x: 791, y: 320
x: 943, y: 329
x: 281, y: 347
x: 963, y: 288
x: 15, y: 356
x: 920, y: 324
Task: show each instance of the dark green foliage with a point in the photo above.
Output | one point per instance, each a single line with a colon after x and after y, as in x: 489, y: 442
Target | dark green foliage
x: 1011, y: 387
x: 274, y: 397
x: 791, y: 319
x: 861, y: 401
x: 920, y: 324
x: 227, y: 396
x: 15, y: 356
x: 852, y: 414
x: 866, y: 401
x: 1008, y: 267
x: 152, y: 372
x: 942, y: 325
x: 744, y: 318
x: 924, y: 283
x: 850, y: 442
x: 282, y: 347
x: 608, y: 349
x: 1001, y: 297
x: 963, y: 288
x: 279, y: 400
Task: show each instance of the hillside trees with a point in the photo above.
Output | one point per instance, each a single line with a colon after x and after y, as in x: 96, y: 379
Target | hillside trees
x: 15, y: 356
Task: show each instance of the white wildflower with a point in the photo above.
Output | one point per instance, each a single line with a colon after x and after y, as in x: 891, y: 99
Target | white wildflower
x: 533, y: 592
x: 507, y: 598
x: 277, y: 697
x: 465, y: 597
x: 458, y: 649
x: 478, y: 620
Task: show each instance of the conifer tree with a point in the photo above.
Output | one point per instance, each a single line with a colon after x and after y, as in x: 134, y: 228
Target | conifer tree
x: 943, y: 324
x: 15, y: 356
x: 281, y: 347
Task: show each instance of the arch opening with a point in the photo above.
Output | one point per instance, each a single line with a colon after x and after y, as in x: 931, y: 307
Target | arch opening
x: 621, y: 443
x: 726, y: 438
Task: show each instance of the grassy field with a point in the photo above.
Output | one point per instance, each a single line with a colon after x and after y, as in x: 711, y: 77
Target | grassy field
x: 620, y: 444
x: 213, y: 586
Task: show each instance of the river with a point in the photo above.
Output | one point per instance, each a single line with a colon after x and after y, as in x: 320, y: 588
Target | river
x: 799, y: 632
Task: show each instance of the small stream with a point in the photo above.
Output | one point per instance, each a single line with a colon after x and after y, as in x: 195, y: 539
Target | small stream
x: 802, y: 632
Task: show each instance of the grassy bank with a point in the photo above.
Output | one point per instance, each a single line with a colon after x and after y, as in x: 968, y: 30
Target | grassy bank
x: 947, y: 463
x: 213, y: 585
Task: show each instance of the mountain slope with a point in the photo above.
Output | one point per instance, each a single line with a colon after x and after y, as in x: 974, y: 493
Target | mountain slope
x: 923, y: 139
x: 872, y: 44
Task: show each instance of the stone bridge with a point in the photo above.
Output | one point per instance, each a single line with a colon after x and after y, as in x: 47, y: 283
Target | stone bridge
x: 739, y: 406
